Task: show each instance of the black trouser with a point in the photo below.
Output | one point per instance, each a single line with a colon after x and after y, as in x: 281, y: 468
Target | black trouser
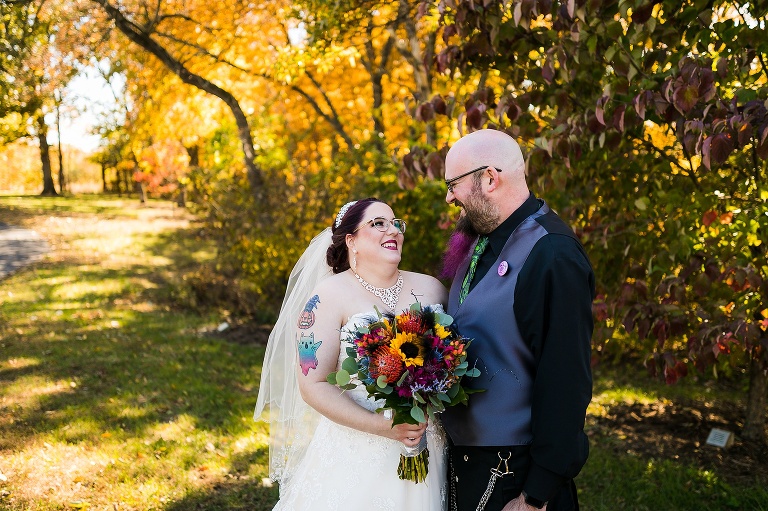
x: 471, y: 471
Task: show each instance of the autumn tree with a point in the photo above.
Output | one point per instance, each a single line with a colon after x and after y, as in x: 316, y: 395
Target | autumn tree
x: 645, y: 124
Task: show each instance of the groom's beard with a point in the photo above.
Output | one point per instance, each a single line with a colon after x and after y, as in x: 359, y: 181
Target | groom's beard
x: 477, y: 217
x: 480, y: 216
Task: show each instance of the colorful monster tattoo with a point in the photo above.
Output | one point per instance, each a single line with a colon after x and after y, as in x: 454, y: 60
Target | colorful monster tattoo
x: 307, y: 316
x: 308, y: 352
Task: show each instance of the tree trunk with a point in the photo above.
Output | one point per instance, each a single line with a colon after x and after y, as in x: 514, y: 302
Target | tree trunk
x: 62, y: 184
x: 138, y: 35
x: 757, y: 400
x: 45, y: 157
x: 104, y: 177
x: 412, y: 51
x: 141, y: 189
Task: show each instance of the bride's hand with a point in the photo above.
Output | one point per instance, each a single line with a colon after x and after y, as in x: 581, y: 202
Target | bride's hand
x: 409, y: 434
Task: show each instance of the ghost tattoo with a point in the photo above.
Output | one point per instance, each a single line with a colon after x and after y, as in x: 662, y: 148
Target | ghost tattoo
x: 308, y: 352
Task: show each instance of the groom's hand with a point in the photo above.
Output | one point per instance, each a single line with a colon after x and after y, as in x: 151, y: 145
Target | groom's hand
x: 519, y: 504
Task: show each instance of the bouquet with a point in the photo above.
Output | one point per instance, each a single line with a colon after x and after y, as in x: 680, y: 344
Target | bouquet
x: 414, y: 362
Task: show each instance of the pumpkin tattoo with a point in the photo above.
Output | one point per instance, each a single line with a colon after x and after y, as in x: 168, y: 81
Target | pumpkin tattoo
x: 307, y: 316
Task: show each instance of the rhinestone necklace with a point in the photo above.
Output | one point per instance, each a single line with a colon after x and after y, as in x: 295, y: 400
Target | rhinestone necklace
x: 389, y: 295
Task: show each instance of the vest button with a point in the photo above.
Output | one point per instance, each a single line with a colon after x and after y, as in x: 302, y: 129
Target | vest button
x: 466, y: 458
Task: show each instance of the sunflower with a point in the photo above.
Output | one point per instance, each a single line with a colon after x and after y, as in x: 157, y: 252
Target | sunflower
x: 410, y: 349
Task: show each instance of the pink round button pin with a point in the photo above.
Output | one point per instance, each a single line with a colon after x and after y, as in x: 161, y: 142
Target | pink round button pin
x: 503, y: 267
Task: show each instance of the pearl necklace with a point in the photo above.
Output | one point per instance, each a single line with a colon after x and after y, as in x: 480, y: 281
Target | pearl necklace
x: 388, y: 295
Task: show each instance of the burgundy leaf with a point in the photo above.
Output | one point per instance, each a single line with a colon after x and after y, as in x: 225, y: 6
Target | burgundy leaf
x: 435, y: 166
x: 425, y: 112
x: 439, y: 105
x: 643, y: 13
x: 513, y: 111
x: 641, y: 101
x: 599, y: 110
x: 548, y: 71
x: 448, y: 31
x: 705, y: 152
x: 721, y: 148
x: 689, y: 142
x: 643, y: 327
x: 650, y: 365
x: 405, y: 179
x: 670, y: 376
x: 685, y: 97
x: 707, y: 89
x: 744, y: 134
x: 722, y: 67
x: 593, y: 124
x: 618, y: 118
x: 629, y: 319
x: 762, y: 146
x: 474, y: 118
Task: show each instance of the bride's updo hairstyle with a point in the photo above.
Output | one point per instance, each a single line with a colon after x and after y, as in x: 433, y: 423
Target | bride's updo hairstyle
x: 345, y: 223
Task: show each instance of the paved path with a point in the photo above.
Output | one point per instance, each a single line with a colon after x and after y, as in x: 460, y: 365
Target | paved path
x: 19, y: 247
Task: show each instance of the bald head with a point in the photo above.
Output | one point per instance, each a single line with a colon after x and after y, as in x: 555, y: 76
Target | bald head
x: 487, y: 147
x: 495, y: 149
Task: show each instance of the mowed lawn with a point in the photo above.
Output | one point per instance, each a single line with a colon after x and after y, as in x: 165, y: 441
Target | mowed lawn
x: 115, y: 395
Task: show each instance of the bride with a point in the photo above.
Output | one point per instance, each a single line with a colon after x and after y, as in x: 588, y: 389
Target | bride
x: 329, y: 449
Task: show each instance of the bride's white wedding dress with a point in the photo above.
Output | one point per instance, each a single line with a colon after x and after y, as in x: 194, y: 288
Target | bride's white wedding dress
x: 347, y: 469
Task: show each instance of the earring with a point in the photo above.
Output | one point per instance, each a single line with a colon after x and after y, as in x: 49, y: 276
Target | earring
x: 354, y: 260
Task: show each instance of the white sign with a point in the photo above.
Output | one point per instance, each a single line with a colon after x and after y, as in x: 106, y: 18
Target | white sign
x: 720, y: 438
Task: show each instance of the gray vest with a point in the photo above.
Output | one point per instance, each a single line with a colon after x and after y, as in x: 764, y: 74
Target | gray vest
x: 501, y: 415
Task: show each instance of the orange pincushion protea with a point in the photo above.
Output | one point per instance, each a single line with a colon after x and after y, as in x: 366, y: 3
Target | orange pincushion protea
x: 384, y: 362
x: 410, y: 322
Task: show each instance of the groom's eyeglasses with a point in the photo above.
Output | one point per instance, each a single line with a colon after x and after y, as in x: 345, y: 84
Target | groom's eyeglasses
x: 450, y: 183
x: 382, y: 224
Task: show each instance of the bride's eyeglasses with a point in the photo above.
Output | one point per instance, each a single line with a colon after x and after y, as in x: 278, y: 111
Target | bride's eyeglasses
x: 382, y: 224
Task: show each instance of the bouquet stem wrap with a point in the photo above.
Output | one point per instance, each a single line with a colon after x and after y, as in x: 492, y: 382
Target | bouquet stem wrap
x: 414, y: 461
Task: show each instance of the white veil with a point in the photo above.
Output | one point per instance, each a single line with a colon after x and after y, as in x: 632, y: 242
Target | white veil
x: 291, y: 421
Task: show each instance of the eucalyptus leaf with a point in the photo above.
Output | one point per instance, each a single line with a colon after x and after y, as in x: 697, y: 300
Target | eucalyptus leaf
x: 415, y: 307
x: 418, y: 398
x: 418, y: 414
x: 473, y: 373
x: 402, y: 378
x: 443, y: 319
x: 342, y: 377
x: 349, y: 365
x: 331, y: 378
x: 381, y: 381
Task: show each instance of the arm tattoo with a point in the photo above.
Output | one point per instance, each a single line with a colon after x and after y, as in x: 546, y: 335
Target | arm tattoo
x: 308, y: 352
x: 307, y: 316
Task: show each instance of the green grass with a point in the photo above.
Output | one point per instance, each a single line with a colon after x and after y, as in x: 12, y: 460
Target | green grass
x: 110, y: 395
x: 112, y: 398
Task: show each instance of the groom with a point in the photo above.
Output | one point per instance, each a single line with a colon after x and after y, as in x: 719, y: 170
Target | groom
x: 522, y: 289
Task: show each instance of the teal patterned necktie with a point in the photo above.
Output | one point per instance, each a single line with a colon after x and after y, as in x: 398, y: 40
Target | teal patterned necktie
x: 479, y: 249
